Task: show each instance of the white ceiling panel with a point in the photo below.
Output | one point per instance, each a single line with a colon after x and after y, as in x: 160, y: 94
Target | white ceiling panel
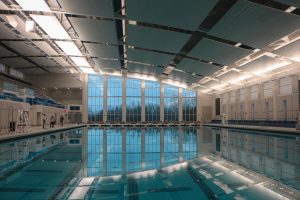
x: 107, y: 64
x: 34, y: 70
x: 233, y: 77
x: 4, y: 52
x: 95, y: 30
x: 102, y: 51
x: 88, y: 7
x: 184, y: 77
x: 62, y: 61
x: 144, y: 69
x: 23, y: 48
x: 218, y: 52
x: 16, y: 62
x: 255, y: 25
x: 156, y: 39
x: 6, y: 33
x: 262, y: 65
x: 42, y: 61
x: 291, y: 51
x: 45, y: 47
x: 149, y: 57
x: 186, y: 14
x: 194, y: 66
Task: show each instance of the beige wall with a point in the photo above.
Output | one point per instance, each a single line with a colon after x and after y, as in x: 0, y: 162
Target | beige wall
x: 65, y: 96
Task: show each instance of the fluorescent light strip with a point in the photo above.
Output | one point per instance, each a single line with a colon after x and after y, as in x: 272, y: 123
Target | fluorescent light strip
x: 34, y: 5
x: 51, y: 26
x: 87, y: 70
x: 80, y: 61
x: 69, y: 48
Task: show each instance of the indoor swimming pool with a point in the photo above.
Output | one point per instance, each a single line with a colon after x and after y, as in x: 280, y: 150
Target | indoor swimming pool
x: 151, y: 163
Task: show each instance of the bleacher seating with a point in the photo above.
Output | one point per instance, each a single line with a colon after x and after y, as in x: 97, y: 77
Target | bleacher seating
x: 273, y: 123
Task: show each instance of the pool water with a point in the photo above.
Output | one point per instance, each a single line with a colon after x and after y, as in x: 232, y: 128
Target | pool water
x: 151, y: 163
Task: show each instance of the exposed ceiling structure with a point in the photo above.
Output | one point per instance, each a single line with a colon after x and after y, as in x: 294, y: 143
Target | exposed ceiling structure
x: 209, y: 45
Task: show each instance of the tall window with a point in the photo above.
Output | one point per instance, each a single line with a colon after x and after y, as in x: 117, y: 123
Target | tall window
x: 95, y: 98
x: 133, y: 100
x: 170, y: 103
x: 152, y: 101
x: 114, y: 99
x: 189, y: 105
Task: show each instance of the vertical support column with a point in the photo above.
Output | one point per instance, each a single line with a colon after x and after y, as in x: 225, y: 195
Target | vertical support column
x: 105, y: 98
x: 180, y: 145
x: 143, y: 149
x: 199, y: 134
x: 143, y: 118
x: 162, y: 148
x: 123, y: 98
x: 259, y: 102
x: 180, y: 111
x: 85, y: 98
x: 104, y: 152
x: 275, y: 99
x: 161, y: 101
x: 124, y: 172
x: 198, y: 107
x: 246, y: 105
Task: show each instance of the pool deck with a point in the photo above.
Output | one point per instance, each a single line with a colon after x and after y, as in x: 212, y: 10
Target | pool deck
x: 37, y: 130
x: 257, y: 128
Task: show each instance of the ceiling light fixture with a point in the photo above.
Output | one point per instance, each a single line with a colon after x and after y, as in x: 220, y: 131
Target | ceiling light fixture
x: 80, y: 61
x: 87, y: 70
x: 37, y: 5
x: 290, y: 9
x: 29, y: 26
x: 69, y: 48
x: 51, y: 26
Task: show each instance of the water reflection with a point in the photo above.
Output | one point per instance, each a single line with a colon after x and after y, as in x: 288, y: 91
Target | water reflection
x: 117, y: 151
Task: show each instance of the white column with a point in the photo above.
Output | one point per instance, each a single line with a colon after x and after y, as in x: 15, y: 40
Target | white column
x: 198, y: 107
x: 85, y: 98
x: 104, y: 152
x: 180, y: 111
x: 275, y: 98
x: 105, y: 98
x: 161, y: 102
x: 259, y: 110
x: 123, y: 98
x: 143, y: 118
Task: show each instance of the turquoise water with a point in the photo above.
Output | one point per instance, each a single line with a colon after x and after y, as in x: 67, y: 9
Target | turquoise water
x: 152, y: 163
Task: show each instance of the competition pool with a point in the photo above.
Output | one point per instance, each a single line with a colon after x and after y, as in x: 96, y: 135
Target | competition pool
x: 151, y: 163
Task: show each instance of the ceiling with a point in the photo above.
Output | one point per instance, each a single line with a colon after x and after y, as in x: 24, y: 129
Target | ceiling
x: 208, y: 44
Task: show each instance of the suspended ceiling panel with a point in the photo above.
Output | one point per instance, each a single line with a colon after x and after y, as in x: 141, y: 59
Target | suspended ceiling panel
x: 102, y: 51
x: 45, y: 47
x: 6, y: 33
x: 104, y: 64
x: 183, y: 77
x: 132, y: 67
x: 33, y: 71
x: 62, y: 61
x: 255, y: 25
x: 149, y: 57
x: 88, y: 7
x: 186, y: 14
x: 4, y: 52
x: 291, y: 51
x: 290, y: 2
x: 24, y: 48
x: 55, y: 70
x: 152, y: 38
x: 95, y: 30
x: 218, y: 52
x: 42, y: 61
x: 233, y: 76
x: 262, y: 65
x: 194, y: 66
x: 16, y: 62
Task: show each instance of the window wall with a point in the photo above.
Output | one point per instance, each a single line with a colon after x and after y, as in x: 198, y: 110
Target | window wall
x: 189, y: 105
x: 152, y: 101
x: 114, y: 99
x: 95, y: 98
x: 133, y: 100
x: 170, y: 103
